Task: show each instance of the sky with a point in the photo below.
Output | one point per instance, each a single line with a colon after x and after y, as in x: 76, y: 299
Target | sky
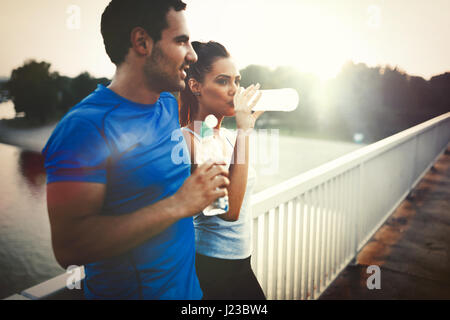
x: 314, y: 36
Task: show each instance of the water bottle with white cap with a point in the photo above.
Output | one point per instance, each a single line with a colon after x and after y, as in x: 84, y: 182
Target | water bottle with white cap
x: 277, y: 100
x: 210, y: 149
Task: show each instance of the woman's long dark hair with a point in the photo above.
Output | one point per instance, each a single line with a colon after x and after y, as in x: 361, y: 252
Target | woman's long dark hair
x: 208, y: 53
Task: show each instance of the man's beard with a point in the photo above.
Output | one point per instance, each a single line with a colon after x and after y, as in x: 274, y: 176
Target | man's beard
x: 157, y: 77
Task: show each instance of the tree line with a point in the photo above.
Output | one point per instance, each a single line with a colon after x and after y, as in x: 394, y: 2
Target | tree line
x: 44, y: 96
x: 363, y: 104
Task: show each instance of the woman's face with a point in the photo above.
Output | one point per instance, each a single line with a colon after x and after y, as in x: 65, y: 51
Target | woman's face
x: 218, y: 89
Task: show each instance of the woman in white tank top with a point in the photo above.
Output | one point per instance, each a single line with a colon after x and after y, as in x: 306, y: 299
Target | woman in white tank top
x: 223, y: 242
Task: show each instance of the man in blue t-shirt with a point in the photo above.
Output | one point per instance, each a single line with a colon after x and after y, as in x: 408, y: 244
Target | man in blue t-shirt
x: 120, y: 195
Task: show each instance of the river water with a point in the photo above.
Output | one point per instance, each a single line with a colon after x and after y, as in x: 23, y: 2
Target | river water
x: 26, y: 256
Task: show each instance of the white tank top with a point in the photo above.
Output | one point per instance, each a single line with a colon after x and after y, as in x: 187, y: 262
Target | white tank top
x: 215, y: 237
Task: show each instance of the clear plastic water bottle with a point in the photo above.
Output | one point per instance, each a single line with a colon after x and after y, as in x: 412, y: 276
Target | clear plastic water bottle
x: 277, y: 100
x: 210, y: 149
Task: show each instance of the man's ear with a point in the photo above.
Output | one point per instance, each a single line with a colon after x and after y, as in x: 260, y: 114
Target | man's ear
x: 195, y: 86
x: 141, y: 42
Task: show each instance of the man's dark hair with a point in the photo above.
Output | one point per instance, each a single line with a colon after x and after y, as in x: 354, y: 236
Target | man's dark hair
x: 122, y: 16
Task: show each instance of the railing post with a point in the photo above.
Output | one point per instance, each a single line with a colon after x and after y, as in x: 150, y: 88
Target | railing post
x: 298, y: 252
x: 358, y: 216
x: 328, y: 232
x: 413, y: 175
x: 307, y: 208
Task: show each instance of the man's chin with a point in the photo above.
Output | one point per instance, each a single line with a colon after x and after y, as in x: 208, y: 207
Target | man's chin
x: 178, y: 86
x: 182, y: 86
x: 174, y: 87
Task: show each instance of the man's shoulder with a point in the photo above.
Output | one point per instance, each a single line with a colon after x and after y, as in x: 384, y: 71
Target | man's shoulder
x: 99, y: 112
x: 89, y: 112
x: 167, y: 97
x: 84, y: 120
x: 92, y: 110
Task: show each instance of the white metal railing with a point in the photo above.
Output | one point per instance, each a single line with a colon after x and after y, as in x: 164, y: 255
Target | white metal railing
x: 307, y: 229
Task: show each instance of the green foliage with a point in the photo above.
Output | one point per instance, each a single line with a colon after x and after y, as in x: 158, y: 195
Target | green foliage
x: 376, y: 102
x: 33, y: 90
x: 45, y: 96
x: 76, y: 89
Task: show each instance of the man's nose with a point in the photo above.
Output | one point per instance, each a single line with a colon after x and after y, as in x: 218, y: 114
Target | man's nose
x: 191, y: 56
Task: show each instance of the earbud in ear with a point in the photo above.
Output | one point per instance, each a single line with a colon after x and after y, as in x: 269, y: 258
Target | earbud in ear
x: 142, y: 42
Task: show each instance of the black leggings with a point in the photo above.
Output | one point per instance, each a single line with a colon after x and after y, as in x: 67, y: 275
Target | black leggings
x: 223, y: 279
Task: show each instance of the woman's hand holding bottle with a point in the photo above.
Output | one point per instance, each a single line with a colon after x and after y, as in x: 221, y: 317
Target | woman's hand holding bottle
x: 244, y: 100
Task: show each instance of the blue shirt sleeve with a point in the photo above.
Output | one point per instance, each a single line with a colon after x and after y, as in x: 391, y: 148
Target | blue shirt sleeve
x: 76, y: 151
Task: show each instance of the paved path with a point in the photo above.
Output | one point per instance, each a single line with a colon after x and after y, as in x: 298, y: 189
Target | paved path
x: 412, y: 248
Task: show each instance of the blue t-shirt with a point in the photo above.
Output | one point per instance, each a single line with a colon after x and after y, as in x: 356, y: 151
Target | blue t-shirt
x: 135, y: 150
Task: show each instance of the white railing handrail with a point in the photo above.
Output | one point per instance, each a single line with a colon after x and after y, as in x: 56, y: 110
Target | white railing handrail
x: 308, y: 228
x: 286, y: 190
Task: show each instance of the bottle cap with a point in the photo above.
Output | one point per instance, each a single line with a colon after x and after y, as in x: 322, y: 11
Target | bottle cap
x: 208, y: 126
x: 211, y: 121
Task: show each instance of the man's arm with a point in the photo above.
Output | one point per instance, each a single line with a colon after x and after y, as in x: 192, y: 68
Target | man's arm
x: 80, y: 234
